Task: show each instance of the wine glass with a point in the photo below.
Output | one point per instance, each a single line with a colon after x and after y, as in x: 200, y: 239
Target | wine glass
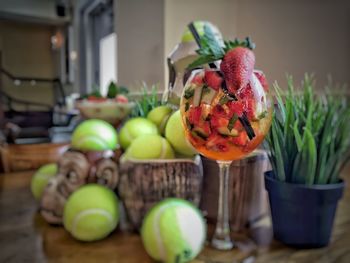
x: 224, y: 127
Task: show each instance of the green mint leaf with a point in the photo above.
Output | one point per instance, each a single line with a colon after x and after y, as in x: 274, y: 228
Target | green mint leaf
x: 262, y: 115
x: 205, y: 89
x: 212, y: 42
x: 232, y: 122
x: 201, y: 61
x: 223, y: 100
x: 187, y: 106
x: 204, y: 50
x: 189, y: 93
x: 188, y: 124
x: 197, y: 134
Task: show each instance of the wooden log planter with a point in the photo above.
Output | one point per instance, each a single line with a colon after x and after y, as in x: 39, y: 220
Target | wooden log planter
x: 143, y: 183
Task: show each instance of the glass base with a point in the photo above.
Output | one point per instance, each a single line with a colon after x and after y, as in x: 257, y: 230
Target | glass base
x: 222, y: 244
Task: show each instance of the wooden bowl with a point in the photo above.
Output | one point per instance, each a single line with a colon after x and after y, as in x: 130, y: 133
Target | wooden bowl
x: 110, y: 110
x: 143, y: 183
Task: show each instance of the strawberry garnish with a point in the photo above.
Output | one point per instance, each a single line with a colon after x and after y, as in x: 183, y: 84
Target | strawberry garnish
x: 198, y: 80
x: 218, y: 111
x: 215, y: 142
x: 245, y: 92
x: 237, y: 67
x: 219, y: 122
x: 235, y: 107
x: 212, y: 79
x: 121, y: 99
x: 96, y: 99
x: 249, y: 108
x: 194, y: 115
x: 238, y: 126
x: 206, y: 127
x: 240, y: 140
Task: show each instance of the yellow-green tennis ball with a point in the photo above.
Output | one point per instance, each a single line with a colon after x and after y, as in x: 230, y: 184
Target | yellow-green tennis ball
x: 91, y: 212
x: 173, y: 231
x: 134, y: 128
x: 151, y: 146
x: 175, y: 134
x: 94, y: 135
x: 159, y: 116
x: 41, y: 178
x: 187, y: 36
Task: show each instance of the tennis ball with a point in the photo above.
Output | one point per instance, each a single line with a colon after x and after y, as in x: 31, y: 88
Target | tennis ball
x: 135, y: 127
x: 91, y: 212
x: 159, y: 116
x: 199, y: 25
x: 175, y: 134
x: 41, y: 178
x: 173, y: 231
x: 150, y: 146
x: 94, y: 135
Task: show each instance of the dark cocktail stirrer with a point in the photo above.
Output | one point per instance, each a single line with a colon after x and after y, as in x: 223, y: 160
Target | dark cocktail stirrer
x: 244, y: 120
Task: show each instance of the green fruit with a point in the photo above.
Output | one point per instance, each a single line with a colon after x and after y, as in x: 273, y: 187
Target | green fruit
x: 41, y: 178
x: 91, y: 213
x: 199, y: 25
x: 150, y: 147
x: 159, y: 116
x: 175, y: 134
x: 135, y: 127
x: 173, y: 231
x: 95, y: 135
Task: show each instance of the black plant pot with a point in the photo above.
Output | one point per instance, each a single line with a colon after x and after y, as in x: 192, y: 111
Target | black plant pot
x: 302, y: 216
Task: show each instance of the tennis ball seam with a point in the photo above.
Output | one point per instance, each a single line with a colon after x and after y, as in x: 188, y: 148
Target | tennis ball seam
x: 88, y: 212
x: 93, y: 138
x: 164, y: 122
x: 128, y: 136
x: 43, y: 177
x: 156, y: 228
x: 163, y: 149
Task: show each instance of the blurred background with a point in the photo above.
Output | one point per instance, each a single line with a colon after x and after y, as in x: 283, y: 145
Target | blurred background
x: 50, y: 49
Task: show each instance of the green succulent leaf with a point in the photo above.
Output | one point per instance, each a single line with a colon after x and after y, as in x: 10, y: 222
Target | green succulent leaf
x: 309, y: 138
x: 148, y: 100
x: 297, y: 136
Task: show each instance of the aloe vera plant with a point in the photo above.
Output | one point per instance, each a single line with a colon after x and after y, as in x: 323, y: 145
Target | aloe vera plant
x: 309, y: 139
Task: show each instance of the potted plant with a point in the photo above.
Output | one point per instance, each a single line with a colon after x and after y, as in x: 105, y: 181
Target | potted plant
x: 309, y: 144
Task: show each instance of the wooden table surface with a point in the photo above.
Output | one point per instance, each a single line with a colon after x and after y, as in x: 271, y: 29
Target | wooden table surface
x: 26, y: 237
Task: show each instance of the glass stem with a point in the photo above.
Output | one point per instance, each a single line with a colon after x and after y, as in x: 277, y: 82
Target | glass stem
x: 222, y: 239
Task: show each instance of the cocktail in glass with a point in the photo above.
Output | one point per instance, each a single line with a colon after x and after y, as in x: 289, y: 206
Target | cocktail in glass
x: 225, y: 126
